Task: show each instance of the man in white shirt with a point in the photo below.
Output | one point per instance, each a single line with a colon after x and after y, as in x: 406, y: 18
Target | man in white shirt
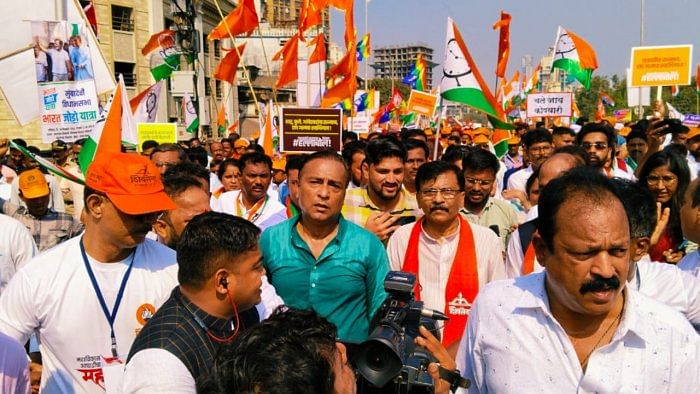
x: 448, y: 281
x: 576, y: 327
x: 61, y: 67
x: 690, y: 223
x: 17, y: 247
x: 88, y: 297
x: 220, y: 275
x: 538, y: 147
x: 252, y: 202
x: 520, y: 256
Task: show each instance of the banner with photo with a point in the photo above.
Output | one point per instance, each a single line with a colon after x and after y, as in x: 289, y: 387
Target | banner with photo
x: 64, y: 72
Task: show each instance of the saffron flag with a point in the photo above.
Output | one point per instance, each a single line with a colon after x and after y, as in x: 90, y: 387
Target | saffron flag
x: 600, y: 111
x: 319, y: 53
x: 228, y: 66
x: 242, y: 20
x: 310, y: 15
x: 503, y: 43
x: 606, y: 99
x: 417, y: 78
x: 344, y: 66
x: 675, y: 89
x: 363, y: 48
x: 575, y: 56
x: 289, y: 72
x: 164, y: 57
x: 190, y: 113
x: 462, y: 81
x: 89, y: 10
x: 340, y: 91
x: 145, y: 105
x: 115, y: 126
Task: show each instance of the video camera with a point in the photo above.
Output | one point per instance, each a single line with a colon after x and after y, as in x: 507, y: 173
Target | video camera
x: 389, y: 359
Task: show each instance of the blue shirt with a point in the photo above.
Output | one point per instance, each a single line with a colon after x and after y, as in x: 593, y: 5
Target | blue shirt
x: 345, y: 284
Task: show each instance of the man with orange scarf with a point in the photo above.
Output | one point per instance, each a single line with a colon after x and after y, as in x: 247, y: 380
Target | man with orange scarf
x: 448, y: 280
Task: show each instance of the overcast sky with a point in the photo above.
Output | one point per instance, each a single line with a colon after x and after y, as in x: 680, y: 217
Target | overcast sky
x: 612, y: 27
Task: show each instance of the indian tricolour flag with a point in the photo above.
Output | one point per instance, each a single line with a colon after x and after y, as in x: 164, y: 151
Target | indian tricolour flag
x: 115, y: 127
x: 462, y: 81
x: 575, y: 56
x: 164, y: 57
x: 49, y: 165
x: 499, y: 139
x: 190, y: 113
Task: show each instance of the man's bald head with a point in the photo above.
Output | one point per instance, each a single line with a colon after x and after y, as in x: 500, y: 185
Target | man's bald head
x: 556, y: 165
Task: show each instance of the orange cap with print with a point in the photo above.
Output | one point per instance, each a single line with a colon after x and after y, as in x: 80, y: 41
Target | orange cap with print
x: 32, y: 184
x: 130, y: 181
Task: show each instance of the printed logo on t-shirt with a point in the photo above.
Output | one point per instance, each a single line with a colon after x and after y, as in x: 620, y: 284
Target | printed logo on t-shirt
x: 144, y: 313
x: 459, y: 305
x: 91, y: 369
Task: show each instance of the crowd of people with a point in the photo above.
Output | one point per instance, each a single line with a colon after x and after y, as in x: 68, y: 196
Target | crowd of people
x: 569, y: 264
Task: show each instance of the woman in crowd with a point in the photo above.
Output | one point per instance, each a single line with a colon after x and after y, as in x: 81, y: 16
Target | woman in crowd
x: 230, y: 176
x: 667, y: 176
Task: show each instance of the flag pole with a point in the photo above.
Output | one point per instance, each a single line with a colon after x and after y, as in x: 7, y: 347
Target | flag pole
x: 437, y: 131
x: 245, y: 71
x: 366, y: 32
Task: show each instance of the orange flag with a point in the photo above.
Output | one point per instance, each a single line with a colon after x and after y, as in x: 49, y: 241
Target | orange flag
x: 310, y: 15
x: 319, y: 53
x: 290, y: 55
x: 600, y: 112
x: 342, y: 5
x: 344, y: 66
x: 586, y: 55
x: 111, y: 138
x: 165, y: 38
x: 350, y: 34
x: 226, y: 70
x: 345, y: 88
x: 234, y: 127
x: 503, y: 43
x: 242, y: 20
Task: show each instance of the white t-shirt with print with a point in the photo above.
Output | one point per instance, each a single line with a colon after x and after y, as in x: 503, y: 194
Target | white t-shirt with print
x: 17, y: 247
x: 53, y: 296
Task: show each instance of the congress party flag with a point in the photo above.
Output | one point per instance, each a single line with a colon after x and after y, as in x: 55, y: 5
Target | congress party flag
x: 575, y: 56
x: 191, y: 118
x: 115, y: 127
x: 47, y: 164
x: 499, y: 139
x: 164, y: 57
x: 363, y: 48
x: 462, y: 81
x: 145, y: 105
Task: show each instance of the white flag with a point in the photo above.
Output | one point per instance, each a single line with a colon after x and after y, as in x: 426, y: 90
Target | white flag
x: 145, y: 105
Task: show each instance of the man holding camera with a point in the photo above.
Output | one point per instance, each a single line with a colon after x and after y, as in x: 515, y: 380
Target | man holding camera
x: 320, y: 261
x: 448, y: 281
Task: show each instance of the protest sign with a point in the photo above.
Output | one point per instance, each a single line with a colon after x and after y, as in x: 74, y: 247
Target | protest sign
x: 548, y: 105
x: 360, y: 124
x: 69, y: 110
x: 310, y: 129
x: 661, y: 65
x: 691, y: 120
x: 422, y: 103
x: 162, y: 133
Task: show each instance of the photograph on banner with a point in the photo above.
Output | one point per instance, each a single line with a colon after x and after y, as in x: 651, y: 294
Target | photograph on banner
x: 422, y: 103
x: 661, y: 65
x: 310, y: 129
x: 61, y: 52
x: 162, y: 133
x: 549, y: 105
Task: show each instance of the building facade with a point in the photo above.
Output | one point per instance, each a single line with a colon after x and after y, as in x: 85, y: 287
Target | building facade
x: 395, y: 62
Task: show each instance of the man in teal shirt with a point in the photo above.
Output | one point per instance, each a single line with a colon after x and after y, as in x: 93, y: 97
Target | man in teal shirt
x: 320, y: 261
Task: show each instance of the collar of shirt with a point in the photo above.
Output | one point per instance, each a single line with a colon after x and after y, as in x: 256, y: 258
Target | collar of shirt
x: 401, y: 206
x: 214, y: 324
x: 537, y: 298
x: 50, y: 214
x: 485, y: 209
x: 332, y: 246
x: 441, y: 240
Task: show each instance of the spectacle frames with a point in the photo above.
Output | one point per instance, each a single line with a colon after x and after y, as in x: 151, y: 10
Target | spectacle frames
x: 480, y: 182
x: 596, y: 145
x: 666, y: 179
x: 447, y: 193
x: 540, y: 149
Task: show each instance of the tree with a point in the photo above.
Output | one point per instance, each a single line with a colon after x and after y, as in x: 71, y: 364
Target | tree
x: 383, y: 86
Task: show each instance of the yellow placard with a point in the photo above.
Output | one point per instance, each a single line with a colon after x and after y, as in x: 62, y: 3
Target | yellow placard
x: 422, y: 103
x: 160, y: 132
x: 661, y: 65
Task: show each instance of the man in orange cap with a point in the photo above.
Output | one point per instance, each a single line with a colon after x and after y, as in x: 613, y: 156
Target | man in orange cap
x: 513, y: 158
x: 48, y: 228
x: 89, y: 297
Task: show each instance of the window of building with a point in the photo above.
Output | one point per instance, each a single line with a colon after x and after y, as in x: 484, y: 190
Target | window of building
x: 128, y: 71
x: 205, y: 44
x: 219, y: 93
x: 122, y: 18
x: 207, y: 86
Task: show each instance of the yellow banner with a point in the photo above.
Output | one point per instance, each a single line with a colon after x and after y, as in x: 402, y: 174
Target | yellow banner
x: 661, y: 65
x: 160, y: 132
x: 422, y: 103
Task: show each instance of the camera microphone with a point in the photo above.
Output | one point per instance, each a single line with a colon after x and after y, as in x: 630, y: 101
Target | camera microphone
x: 433, y: 314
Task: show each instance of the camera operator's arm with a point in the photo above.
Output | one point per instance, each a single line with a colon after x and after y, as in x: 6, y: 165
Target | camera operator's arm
x: 428, y: 341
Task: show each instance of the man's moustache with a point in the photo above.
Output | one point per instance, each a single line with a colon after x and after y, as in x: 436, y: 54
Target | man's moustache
x: 598, y: 283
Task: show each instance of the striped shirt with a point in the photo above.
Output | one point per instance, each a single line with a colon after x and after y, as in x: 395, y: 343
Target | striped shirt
x: 358, y: 206
x: 48, y: 230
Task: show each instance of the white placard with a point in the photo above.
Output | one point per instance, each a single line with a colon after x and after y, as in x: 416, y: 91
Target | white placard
x: 548, y: 105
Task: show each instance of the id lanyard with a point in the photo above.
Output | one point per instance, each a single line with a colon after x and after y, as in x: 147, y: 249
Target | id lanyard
x: 255, y: 211
x: 110, y: 316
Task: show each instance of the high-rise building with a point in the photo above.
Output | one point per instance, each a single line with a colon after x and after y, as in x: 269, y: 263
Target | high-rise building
x: 396, y: 61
